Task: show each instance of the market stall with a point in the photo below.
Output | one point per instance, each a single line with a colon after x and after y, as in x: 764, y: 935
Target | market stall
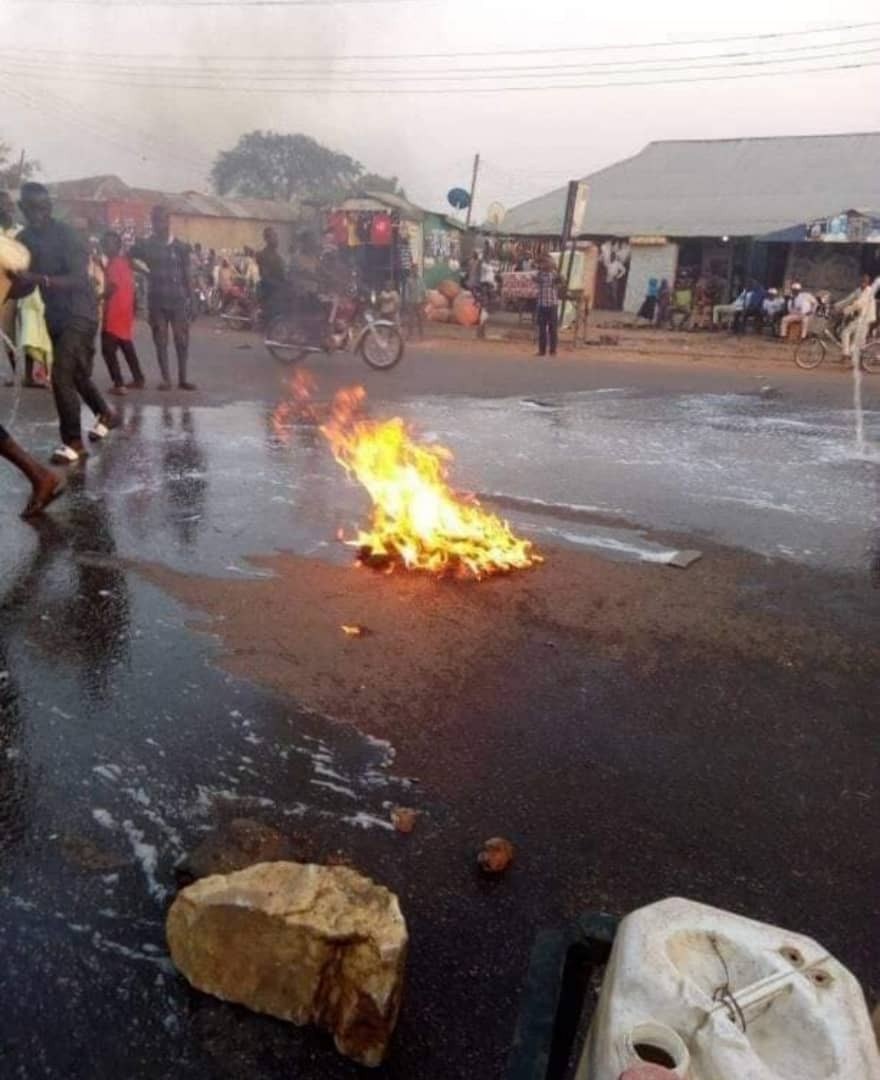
x: 380, y: 235
x: 443, y: 249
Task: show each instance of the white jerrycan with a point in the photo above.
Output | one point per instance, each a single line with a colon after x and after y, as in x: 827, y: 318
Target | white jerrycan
x: 715, y: 996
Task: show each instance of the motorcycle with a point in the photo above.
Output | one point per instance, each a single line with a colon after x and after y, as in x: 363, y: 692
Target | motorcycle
x: 240, y: 307
x: 199, y: 300
x: 350, y: 326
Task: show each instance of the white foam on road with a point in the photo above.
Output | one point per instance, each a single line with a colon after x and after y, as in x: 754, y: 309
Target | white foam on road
x: 148, y: 857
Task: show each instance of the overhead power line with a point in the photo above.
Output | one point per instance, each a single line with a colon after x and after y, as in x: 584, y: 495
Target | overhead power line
x: 834, y: 28
x: 229, y: 86
x: 790, y: 54
x: 241, y: 4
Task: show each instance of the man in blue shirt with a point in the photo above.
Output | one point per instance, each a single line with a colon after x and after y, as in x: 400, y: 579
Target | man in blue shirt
x: 546, y: 311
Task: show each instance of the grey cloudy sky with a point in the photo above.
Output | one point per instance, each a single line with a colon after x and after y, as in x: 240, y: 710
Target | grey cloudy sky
x: 73, y: 69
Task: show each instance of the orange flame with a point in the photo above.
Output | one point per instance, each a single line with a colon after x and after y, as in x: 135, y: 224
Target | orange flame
x: 417, y: 520
x: 297, y: 406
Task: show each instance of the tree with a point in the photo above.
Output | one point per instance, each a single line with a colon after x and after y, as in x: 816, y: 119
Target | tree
x: 11, y: 173
x: 375, y: 182
x: 266, y: 165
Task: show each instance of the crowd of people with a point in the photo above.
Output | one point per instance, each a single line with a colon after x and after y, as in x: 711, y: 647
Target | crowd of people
x: 55, y: 309
x: 696, y: 306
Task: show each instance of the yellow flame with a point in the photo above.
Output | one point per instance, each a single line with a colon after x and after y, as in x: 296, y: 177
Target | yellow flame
x: 416, y: 518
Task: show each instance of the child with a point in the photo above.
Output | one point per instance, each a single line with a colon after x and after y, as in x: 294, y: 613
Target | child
x: 117, y: 329
x: 389, y: 302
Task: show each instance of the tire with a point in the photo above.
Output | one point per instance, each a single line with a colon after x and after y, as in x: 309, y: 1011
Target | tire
x: 285, y: 341
x: 870, y: 357
x: 381, y: 347
x: 809, y: 353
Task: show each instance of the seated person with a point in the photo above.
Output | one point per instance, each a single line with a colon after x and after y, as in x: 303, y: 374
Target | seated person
x: 682, y: 302
x: 801, y: 309
x: 753, y: 308
x: 774, y: 309
x: 727, y: 311
x: 701, y: 315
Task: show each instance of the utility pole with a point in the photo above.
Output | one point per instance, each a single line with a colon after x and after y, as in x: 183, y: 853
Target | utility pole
x: 470, y: 207
x: 20, y: 168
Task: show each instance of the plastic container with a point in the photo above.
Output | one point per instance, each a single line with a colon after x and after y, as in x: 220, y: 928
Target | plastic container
x: 714, y: 996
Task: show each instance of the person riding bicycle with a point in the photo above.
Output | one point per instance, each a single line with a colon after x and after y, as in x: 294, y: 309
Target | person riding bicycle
x: 859, y: 313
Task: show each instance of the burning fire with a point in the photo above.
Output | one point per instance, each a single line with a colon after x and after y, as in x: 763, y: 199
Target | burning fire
x: 296, y: 407
x: 417, y: 520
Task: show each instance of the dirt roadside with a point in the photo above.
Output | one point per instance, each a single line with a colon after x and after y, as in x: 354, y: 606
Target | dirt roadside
x: 742, y: 353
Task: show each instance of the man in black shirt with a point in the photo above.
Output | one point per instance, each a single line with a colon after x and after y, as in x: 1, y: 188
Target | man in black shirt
x: 170, y: 294
x: 273, y: 274
x: 59, y: 267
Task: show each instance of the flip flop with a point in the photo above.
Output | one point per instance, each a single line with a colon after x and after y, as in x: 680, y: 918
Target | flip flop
x: 37, y: 506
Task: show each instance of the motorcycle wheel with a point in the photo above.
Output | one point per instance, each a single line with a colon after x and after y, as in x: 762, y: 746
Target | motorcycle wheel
x: 381, y: 347
x: 285, y: 341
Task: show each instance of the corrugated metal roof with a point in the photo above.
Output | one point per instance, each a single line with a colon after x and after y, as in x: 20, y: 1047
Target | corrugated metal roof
x: 723, y: 187
x: 362, y: 200
x: 106, y: 186
x: 195, y: 203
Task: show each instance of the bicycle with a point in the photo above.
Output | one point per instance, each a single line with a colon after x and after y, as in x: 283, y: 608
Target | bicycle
x: 812, y: 350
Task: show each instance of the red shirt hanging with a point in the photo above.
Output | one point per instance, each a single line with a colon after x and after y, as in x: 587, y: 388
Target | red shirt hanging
x: 380, y: 234
x: 338, y: 224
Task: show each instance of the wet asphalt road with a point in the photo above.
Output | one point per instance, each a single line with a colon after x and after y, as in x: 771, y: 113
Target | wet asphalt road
x: 122, y: 743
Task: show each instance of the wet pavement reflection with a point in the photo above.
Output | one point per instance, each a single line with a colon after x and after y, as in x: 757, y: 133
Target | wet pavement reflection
x: 122, y: 744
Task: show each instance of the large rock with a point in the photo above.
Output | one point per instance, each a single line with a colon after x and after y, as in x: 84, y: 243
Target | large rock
x: 311, y: 944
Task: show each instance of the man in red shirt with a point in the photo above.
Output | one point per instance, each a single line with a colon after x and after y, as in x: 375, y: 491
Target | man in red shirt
x: 117, y: 330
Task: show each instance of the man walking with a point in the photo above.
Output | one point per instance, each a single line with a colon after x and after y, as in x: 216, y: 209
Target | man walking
x: 169, y: 295
x: 60, y: 268
x: 118, y: 326
x: 546, y: 313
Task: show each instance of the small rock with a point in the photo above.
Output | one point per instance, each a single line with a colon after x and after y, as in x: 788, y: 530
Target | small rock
x: 304, y: 943
x: 496, y: 855
x: 354, y: 630
x: 403, y: 819
x: 233, y: 846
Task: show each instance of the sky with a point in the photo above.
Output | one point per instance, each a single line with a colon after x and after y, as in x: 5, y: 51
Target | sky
x: 152, y: 90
